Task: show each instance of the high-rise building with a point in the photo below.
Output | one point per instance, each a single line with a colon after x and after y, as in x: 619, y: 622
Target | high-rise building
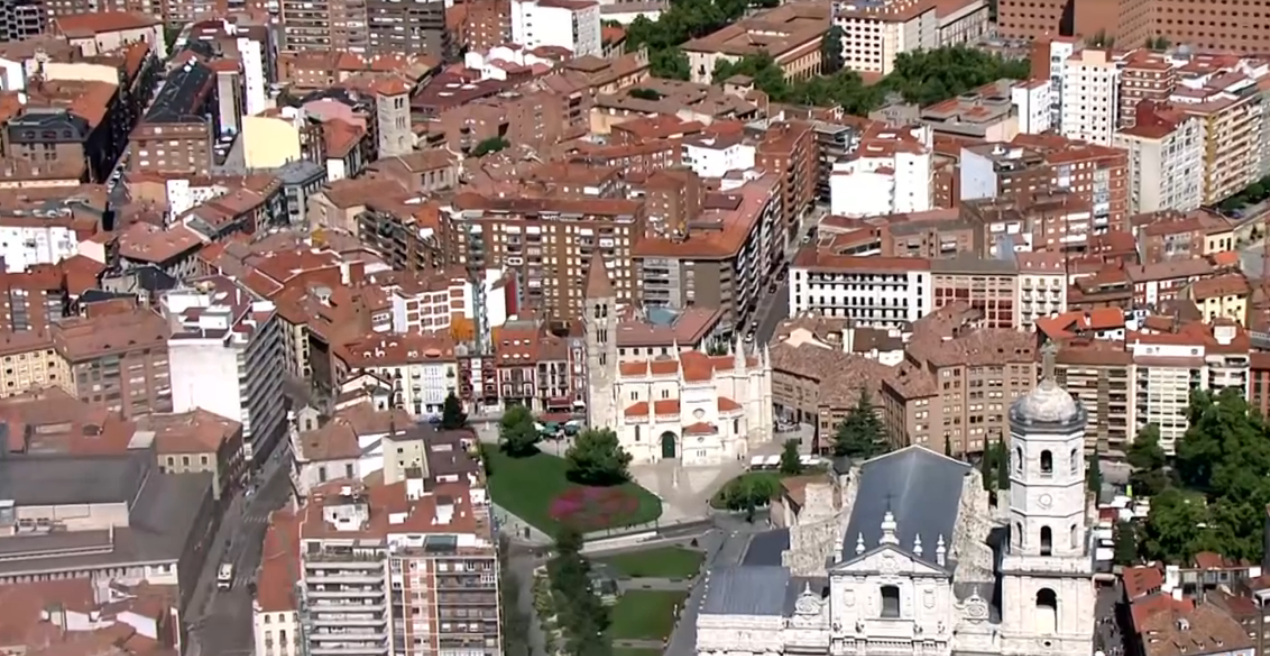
x: 225, y: 355
x: 365, y: 27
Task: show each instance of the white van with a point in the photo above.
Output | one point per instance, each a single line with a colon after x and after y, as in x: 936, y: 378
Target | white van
x: 225, y: 577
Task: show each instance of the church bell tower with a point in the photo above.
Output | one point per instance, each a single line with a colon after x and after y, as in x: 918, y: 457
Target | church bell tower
x: 1047, y: 600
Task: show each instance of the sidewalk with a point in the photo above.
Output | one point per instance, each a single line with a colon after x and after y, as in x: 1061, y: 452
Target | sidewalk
x: 518, y: 529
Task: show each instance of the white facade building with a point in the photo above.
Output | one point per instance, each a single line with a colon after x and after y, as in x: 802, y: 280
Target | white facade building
x: 1165, y: 164
x: 1168, y: 366
x: 712, y: 157
x: 686, y: 406
x: 890, y: 172
x: 432, y: 305
x: 1090, y: 96
x: 884, y: 292
x: 422, y: 367
x: 903, y: 542
x: 570, y: 24
x: 225, y: 356
x: 1041, y: 287
x: 1032, y: 100
x: 27, y: 241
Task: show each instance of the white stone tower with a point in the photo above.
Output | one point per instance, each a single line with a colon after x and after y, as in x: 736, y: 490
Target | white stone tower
x: 1047, y: 600
x: 600, y: 321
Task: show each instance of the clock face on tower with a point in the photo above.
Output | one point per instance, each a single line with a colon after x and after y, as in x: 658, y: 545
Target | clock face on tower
x: 1045, y: 501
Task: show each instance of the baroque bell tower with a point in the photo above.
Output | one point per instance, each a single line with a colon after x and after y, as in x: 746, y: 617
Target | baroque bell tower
x: 1047, y: 572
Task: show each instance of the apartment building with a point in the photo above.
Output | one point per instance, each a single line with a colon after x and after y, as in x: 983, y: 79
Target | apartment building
x: 1091, y: 88
x: 541, y: 365
x: 1168, y: 366
x: 488, y: 24
x: 30, y: 361
x: 890, y: 171
x: 421, y: 367
x: 989, y: 112
x: 365, y: 27
x: 66, y: 125
x: 1100, y: 374
x: 789, y: 149
x: 549, y: 257
x: 1225, y: 297
x: 1042, y: 286
x: 224, y: 355
x: 790, y: 33
x: 177, y: 132
x: 1033, y: 100
x: 197, y: 442
x: 887, y: 292
x: 875, y: 32
x: 1165, y: 154
x: 22, y: 19
x: 983, y: 285
x: 570, y: 24
x: 1174, y: 236
x: 387, y: 569
x: 95, y: 30
x: 408, y: 237
x: 1033, y: 166
x: 716, y: 250
x: 1202, y: 25
x: 449, y: 300
x: 1230, y: 125
x: 1145, y: 75
x: 119, y: 360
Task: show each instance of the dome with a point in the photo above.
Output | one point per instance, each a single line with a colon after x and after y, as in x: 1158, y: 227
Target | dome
x: 1048, y: 403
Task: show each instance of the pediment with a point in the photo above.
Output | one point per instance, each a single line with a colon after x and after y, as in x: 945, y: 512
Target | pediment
x: 887, y: 559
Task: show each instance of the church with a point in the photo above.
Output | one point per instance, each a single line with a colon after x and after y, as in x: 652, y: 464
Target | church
x: 906, y: 556
x: 683, y: 404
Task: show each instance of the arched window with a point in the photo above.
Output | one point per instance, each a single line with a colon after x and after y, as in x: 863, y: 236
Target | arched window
x: 1018, y: 459
x: 1074, y: 461
x: 1047, y: 541
x: 1020, y: 538
x: 1073, y: 535
x: 1046, y: 611
x: 1047, y: 463
x: 890, y: 601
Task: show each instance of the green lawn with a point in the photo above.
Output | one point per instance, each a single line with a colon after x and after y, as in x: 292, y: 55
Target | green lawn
x: 645, y: 614
x: 626, y: 651
x: 662, y: 563
x: 529, y: 487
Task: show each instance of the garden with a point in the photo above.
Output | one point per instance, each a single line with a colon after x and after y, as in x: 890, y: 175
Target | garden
x: 660, y: 563
x: 536, y: 489
x: 646, y: 614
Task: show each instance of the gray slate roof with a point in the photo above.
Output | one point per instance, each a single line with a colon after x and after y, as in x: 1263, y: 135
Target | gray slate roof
x: 920, y: 487
x: 741, y: 590
x: 766, y: 548
x: 58, y: 480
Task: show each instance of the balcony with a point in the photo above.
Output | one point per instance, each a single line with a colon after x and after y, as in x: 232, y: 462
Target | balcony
x: 325, y: 578
x: 359, y: 593
x: 348, y: 636
x: 347, y: 650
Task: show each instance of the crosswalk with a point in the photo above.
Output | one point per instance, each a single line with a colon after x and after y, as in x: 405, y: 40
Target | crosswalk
x: 256, y: 519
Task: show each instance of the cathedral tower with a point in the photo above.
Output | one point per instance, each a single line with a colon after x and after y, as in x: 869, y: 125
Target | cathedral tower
x: 600, y: 321
x: 1047, y: 596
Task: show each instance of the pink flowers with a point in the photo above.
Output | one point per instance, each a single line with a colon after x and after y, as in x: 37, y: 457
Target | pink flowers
x: 594, y: 507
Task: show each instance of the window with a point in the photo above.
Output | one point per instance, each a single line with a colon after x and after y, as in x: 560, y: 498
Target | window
x: 1018, y: 459
x: 1047, y: 541
x: 1047, y: 463
x: 1074, y: 536
x: 1046, y: 611
x: 890, y: 601
x: 322, y: 474
x: 348, y: 471
x: 1020, y: 537
x: 1074, y: 463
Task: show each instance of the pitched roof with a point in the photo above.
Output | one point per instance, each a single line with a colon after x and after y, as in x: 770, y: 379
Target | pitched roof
x: 598, y: 284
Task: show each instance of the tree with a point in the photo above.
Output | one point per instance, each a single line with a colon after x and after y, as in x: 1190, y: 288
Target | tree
x: 791, y: 463
x: 1171, y: 532
x: 1003, y: 465
x: 452, y: 415
x: 986, y: 466
x: 517, y: 433
x: 755, y: 488
x: 948, y: 447
x: 1147, y: 458
x: 1126, y: 544
x: 1093, y: 477
x: 644, y: 94
x: 1101, y: 39
x: 861, y: 434
x: 669, y: 64
x: 582, y: 618
x: 490, y: 146
x: 597, y: 458
x: 831, y: 51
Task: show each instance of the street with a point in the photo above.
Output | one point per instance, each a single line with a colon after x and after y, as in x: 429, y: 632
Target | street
x: 221, y: 620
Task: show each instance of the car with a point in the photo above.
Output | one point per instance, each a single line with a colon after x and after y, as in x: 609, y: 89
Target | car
x: 771, y: 289
x: 225, y: 576
x: 749, y: 338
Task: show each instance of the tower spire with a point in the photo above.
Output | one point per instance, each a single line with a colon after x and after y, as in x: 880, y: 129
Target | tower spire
x: 598, y: 284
